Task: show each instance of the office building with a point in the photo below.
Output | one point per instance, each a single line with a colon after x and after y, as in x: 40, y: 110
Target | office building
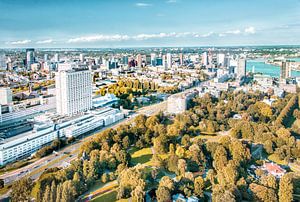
x: 169, y: 60
x: 221, y: 59
x: 73, y: 91
x: 46, y: 58
x: 29, y: 57
x: 81, y: 57
x: 5, y: 96
x: 153, y: 59
x: 179, y: 103
x: 3, y: 65
x: 139, y: 60
x: 125, y: 60
x: 181, y: 59
x: 48, y: 127
x: 241, y: 68
x: 204, y: 59
x: 56, y: 57
x: 285, y: 70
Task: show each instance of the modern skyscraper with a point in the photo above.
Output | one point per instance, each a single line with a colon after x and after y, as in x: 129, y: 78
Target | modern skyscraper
x: 56, y: 57
x: 204, y: 59
x: 285, y: 70
x: 153, y: 59
x: 81, y: 57
x: 221, y: 59
x: 3, y: 65
x: 139, y: 60
x: 169, y: 60
x: 125, y: 60
x: 73, y: 91
x: 46, y: 58
x: 181, y: 58
x: 241, y: 68
x: 29, y: 57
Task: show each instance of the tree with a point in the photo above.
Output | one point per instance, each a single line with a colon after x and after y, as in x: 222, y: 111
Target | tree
x: 269, y: 181
x: 261, y: 193
x: 220, y: 158
x: 53, y: 192
x: 199, y: 186
x: 181, y: 166
x: 286, y: 188
x: 68, y: 193
x: 47, y: 194
x: 21, y: 190
x: 220, y: 194
x: 163, y: 194
x: 138, y: 194
x: 166, y: 181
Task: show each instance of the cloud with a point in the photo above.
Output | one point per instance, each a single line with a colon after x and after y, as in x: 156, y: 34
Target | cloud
x: 116, y: 37
x: 143, y: 4
x: 21, y: 42
x: 233, y: 32
x: 250, y: 30
x: 161, y: 35
x: 45, y: 41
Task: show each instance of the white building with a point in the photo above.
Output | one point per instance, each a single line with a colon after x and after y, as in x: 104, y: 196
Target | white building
x: 204, y: 59
x: 178, y: 103
x: 73, y: 91
x: 49, y: 127
x: 81, y: 57
x: 169, y: 60
x: 5, y: 96
x: 241, y: 68
x: 221, y: 59
x: 56, y: 57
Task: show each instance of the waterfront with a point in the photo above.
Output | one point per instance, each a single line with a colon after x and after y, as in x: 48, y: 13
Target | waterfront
x: 261, y: 67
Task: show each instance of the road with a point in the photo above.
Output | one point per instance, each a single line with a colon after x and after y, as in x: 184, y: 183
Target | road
x: 70, y: 152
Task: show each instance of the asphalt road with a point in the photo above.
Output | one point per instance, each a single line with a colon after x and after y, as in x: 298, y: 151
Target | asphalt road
x: 70, y: 152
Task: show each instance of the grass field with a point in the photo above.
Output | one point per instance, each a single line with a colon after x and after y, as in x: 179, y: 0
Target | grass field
x: 109, y: 197
x: 140, y: 156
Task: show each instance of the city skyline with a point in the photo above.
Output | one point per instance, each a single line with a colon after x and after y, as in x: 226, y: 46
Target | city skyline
x: 136, y: 23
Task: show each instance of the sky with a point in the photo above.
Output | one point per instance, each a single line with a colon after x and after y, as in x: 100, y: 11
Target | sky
x: 148, y: 23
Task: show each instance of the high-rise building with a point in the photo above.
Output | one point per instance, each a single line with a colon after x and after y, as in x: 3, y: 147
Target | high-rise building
x: 139, y: 60
x: 153, y: 59
x: 125, y: 60
x: 204, y: 59
x: 181, y: 58
x: 29, y: 57
x: 169, y: 60
x: 148, y: 59
x: 5, y: 96
x: 285, y: 70
x: 46, y: 58
x: 3, y: 65
x: 241, y: 67
x: 81, y: 57
x: 221, y: 59
x: 56, y: 57
x: 73, y: 91
x: 164, y: 62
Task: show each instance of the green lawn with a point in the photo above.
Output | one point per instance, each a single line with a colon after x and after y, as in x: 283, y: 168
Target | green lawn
x: 274, y: 158
x: 140, y: 156
x: 107, y: 197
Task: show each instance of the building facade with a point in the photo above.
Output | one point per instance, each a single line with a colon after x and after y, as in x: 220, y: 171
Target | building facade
x: 73, y: 91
